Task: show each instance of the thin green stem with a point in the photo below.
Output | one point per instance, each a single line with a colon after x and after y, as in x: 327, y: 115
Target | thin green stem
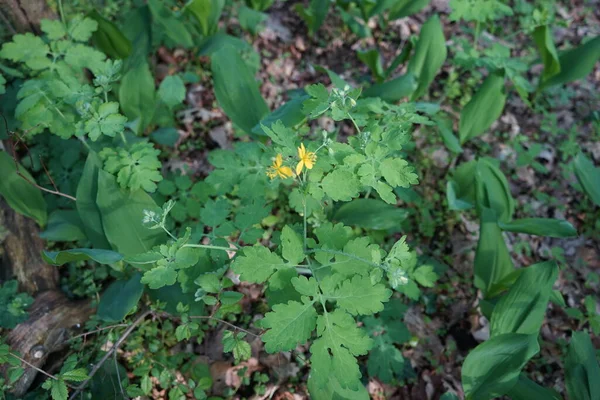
x: 343, y: 253
x: 210, y: 247
x: 477, y: 31
x: 168, y: 233
x: 304, y: 218
x: 354, y: 122
x: 62, y: 13
x: 122, y: 133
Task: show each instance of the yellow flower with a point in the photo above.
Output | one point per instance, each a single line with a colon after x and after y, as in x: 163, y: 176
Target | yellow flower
x: 277, y: 169
x: 307, y: 159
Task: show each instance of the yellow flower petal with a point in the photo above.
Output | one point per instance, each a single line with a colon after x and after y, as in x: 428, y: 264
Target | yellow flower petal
x: 285, y: 172
x: 299, y: 167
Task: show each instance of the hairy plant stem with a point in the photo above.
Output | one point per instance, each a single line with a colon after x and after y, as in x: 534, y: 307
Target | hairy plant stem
x: 210, y: 247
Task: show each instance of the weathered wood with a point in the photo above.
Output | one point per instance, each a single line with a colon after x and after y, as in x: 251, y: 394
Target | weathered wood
x: 24, y: 15
x: 51, y: 317
x: 22, y: 249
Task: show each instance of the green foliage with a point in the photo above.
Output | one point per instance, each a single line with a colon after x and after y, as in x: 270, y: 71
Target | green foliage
x: 581, y: 368
x: 17, y: 188
x: 13, y: 305
x: 136, y: 168
x: 480, y: 11
x: 588, y: 175
x: 430, y: 54
x: 234, y: 343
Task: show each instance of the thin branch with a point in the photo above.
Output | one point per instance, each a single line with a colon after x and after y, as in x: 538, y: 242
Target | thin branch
x: 226, y: 323
x: 117, y: 344
x: 38, y: 369
x: 98, y: 330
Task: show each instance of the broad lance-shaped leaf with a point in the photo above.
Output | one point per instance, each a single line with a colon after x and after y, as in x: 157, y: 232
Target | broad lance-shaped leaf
x: 89, y: 212
x: 522, y: 309
x: 493, y: 191
x: 541, y: 227
x: 358, y: 295
x: 137, y: 95
x: 493, y: 264
x: 394, y: 89
x: 576, y: 63
x: 492, y: 368
x: 526, y: 389
x: 236, y: 89
x: 542, y: 35
x: 430, y: 54
x: 21, y: 196
x: 120, y: 298
x: 483, y: 109
x: 405, y: 8
x: 122, y: 215
x: 371, y: 214
x: 65, y: 256
x: 109, y: 38
x: 257, y: 264
x: 289, y: 325
x: 588, y: 176
x: 581, y: 368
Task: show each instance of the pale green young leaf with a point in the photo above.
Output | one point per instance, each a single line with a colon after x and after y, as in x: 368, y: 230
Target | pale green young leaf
x: 257, y: 264
x: 81, y: 28
x: 53, y: 28
x: 425, y: 275
x: 215, y: 212
x: 334, y: 352
x: 359, y: 296
x: 172, y: 91
x: 397, y: 172
x: 29, y: 49
x: 341, y: 185
x: 291, y: 244
x: 289, y: 325
x: 358, y: 257
x: 233, y: 342
x: 75, y: 375
x: 319, y: 101
x: 138, y: 167
x: 58, y: 389
x: 159, y: 276
x: 105, y: 121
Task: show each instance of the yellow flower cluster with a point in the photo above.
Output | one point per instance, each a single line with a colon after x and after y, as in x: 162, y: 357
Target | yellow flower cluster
x: 307, y: 159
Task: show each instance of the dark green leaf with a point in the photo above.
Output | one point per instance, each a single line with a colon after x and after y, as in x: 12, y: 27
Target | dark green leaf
x: 430, y: 54
x: 460, y: 190
x: 64, y: 226
x: 137, y: 95
x: 483, y: 109
x: 120, y: 298
x: 106, y: 383
x: 173, y: 27
x: 122, y: 214
x: 21, y: 195
x: 526, y: 389
x: 588, y: 176
x: 493, y: 190
x: 290, y: 114
x: 492, y: 369
x: 542, y: 36
x: 173, y: 295
x: 450, y: 140
x: 109, y: 38
x: 576, y: 63
x: 394, y: 90
x: 540, y: 227
x: 65, y: 256
x: 522, y: 309
x: 88, y: 210
x: 406, y: 8
x: 207, y: 13
x: 370, y: 214
x: 372, y: 59
x: 492, y: 260
x: 236, y: 89
x: 581, y: 368
x: 314, y: 15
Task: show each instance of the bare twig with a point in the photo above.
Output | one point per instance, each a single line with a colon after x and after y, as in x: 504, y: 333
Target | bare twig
x: 14, y: 156
x: 38, y: 369
x: 114, y: 348
x: 226, y: 323
x: 98, y: 330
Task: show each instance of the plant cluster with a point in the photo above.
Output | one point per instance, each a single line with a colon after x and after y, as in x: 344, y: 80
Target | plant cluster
x: 308, y: 215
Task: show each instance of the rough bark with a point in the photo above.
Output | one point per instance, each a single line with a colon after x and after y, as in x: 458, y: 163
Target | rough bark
x: 22, y: 251
x: 52, y: 315
x: 24, y: 15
